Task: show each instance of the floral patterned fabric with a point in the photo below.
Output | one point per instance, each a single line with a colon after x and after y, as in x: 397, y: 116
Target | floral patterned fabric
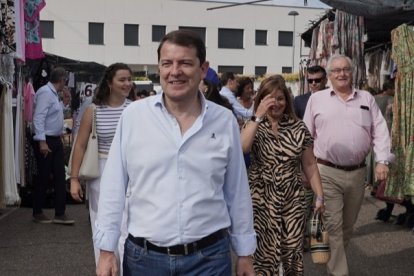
x: 32, y: 10
x: 401, y: 180
x: 7, y: 26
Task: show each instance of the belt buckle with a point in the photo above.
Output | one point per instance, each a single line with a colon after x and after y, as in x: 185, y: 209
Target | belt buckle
x: 172, y: 254
x: 186, y: 249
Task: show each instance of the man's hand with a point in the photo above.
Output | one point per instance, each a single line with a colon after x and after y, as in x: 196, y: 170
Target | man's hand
x: 44, y: 148
x: 381, y: 171
x: 107, y: 264
x: 244, y: 266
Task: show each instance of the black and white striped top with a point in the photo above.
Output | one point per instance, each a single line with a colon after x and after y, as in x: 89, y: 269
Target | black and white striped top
x: 106, y: 121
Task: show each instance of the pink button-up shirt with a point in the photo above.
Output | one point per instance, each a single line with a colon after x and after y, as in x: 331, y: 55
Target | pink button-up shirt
x: 345, y: 131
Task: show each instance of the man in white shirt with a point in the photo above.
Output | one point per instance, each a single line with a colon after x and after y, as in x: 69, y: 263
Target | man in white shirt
x: 181, y: 170
x: 48, y: 128
x: 229, y: 88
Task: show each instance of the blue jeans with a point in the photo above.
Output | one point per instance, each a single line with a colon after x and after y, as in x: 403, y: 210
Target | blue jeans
x: 212, y: 260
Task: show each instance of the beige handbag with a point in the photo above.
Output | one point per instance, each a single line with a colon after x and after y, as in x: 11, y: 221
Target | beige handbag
x: 319, y: 240
x: 90, y: 163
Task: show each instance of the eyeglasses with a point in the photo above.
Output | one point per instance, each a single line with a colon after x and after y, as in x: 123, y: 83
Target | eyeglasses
x: 314, y: 80
x: 337, y: 71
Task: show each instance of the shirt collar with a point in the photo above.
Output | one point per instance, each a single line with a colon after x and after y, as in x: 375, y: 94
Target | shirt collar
x: 52, y: 87
x: 158, y: 100
x: 283, y: 121
x: 353, y: 94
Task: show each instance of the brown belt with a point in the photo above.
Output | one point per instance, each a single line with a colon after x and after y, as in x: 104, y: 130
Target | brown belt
x: 344, y: 168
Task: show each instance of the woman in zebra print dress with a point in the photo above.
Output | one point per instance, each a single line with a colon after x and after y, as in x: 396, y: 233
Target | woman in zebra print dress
x: 278, y: 143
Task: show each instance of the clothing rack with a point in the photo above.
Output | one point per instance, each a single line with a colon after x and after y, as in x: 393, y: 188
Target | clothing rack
x: 385, y: 45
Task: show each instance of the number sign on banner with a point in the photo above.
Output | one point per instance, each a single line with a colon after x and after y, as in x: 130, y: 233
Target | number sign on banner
x: 87, y: 90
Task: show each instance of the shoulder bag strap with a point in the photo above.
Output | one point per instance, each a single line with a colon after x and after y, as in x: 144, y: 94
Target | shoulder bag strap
x: 94, y: 121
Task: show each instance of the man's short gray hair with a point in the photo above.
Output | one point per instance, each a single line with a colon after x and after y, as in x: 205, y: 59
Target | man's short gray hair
x: 335, y: 57
x: 57, y: 75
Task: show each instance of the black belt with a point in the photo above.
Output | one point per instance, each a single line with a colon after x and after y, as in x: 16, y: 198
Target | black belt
x: 181, y: 249
x: 52, y: 137
x: 344, y: 168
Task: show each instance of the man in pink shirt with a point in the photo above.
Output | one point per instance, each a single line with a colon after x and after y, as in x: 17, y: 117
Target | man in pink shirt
x: 345, y: 123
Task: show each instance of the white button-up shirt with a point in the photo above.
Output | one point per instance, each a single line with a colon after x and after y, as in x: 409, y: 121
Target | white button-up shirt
x: 181, y: 188
x: 239, y: 110
x: 48, y: 113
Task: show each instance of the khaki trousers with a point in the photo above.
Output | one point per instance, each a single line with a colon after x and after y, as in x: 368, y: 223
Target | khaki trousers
x: 344, y: 192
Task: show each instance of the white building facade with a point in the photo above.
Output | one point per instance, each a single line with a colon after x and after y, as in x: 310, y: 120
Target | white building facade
x: 246, y: 39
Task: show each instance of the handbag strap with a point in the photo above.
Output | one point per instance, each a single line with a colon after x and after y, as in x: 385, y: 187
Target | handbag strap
x: 321, y: 228
x: 93, y: 121
x: 317, y: 226
x: 314, y: 224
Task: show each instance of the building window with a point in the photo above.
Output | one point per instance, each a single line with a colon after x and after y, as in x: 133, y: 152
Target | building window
x: 96, y: 33
x: 261, y: 37
x: 286, y: 70
x: 131, y: 34
x: 199, y: 30
x: 285, y: 38
x: 158, y: 32
x: 47, y: 29
x: 260, y: 70
x: 230, y: 38
x: 234, y: 69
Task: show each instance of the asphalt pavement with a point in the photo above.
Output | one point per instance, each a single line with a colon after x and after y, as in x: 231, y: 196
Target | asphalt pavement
x: 28, y: 248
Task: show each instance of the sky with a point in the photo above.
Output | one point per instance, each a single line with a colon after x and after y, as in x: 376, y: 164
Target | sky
x: 311, y: 3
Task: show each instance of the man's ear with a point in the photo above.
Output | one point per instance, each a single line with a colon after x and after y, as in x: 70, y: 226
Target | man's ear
x: 204, y: 68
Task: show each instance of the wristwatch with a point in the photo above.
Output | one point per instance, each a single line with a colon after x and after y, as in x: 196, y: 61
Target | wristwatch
x: 384, y: 162
x: 256, y: 119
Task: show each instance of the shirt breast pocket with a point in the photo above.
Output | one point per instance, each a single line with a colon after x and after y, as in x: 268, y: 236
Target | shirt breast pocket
x: 364, y: 118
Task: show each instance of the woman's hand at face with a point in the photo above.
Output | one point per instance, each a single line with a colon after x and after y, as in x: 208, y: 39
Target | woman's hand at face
x: 267, y: 102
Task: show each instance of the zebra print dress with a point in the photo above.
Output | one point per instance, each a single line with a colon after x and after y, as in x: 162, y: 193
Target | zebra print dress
x: 278, y: 196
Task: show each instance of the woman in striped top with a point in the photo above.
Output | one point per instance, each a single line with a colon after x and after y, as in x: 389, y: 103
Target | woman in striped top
x: 110, y: 100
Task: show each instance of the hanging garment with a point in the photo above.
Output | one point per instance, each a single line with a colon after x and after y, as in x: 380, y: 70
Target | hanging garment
x: 7, y: 68
x: 321, y: 50
x: 30, y: 163
x: 32, y: 10
x: 10, y: 185
x: 19, y: 132
x: 8, y: 26
x: 374, y: 67
x: 314, y: 45
x: 348, y: 39
x: 29, y: 95
x: 2, y: 182
x: 401, y: 180
x: 20, y: 33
